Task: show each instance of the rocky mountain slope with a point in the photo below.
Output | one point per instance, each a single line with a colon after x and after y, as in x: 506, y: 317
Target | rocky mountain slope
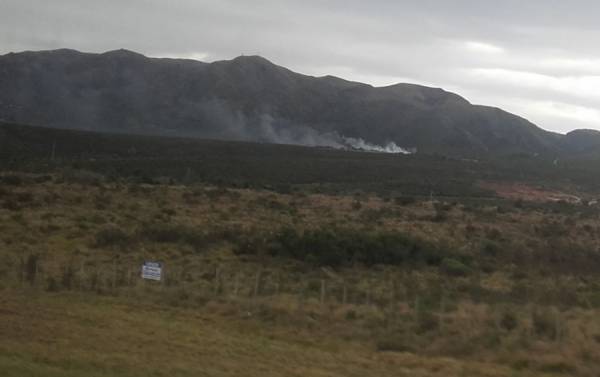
x: 250, y: 98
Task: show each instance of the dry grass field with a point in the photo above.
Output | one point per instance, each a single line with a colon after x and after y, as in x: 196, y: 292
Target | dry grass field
x: 259, y: 283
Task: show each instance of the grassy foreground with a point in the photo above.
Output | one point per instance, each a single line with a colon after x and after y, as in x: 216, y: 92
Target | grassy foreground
x: 260, y: 283
x: 71, y: 335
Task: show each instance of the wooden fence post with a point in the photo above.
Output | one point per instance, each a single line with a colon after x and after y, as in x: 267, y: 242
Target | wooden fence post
x: 22, y: 273
x: 217, y: 281
x: 41, y: 272
x: 114, y: 280
x: 301, y: 296
x: 82, y: 275
x: 417, y: 308
x: 323, y: 291
x: 236, y: 284
x: 557, y: 325
x: 257, y: 283
x: 442, y: 313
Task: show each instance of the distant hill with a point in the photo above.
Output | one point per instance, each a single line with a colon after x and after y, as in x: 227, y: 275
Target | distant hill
x: 582, y: 143
x: 249, y: 98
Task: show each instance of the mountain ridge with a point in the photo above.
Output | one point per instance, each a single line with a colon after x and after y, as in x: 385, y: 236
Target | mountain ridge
x: 250, y: 98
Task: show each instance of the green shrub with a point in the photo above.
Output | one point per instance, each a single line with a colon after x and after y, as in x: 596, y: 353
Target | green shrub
x: 442, y: 207
x: 11, y: 179
x: 83, y: 177
x: 351, y: 315
x: 560, y: 367
x: 51, y: 284
x: 493, y: 234
x: 454, y: 267
x: 509, y: 321
x: 336, y: 247
x: 404, y: 200
x: 544, y: 324
x: 30, y: 267
x: 520, y: 364
x: 552, y: 229
x: 393, y: 343
x: 24, y: 197
x: 427, y: 321
x: 11, y: 205
x: 172, y: 233
x: 440, y: 216
x: 68, y: 275
x: 490, y: 248
x: 111, y: 235
x: 220, y: 192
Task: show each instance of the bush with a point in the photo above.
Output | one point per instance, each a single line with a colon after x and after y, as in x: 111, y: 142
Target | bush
x: 220, y: 192
x: 544, y: 324
x: 493, y: 234
x: 83, y: 177
x: 31, y: 268
x: 509, y: 321
x: 336, y: 247
x: 405, y: 200
x: 454, y: 267
x: 393, y: 344
x: 111, y: 236
x: 68, y: 275
x: 427, y: 321
x: 439, y: 217
x: 51, y: 284
x: 173, y: 233
x: 552, y: 229
x: 11, y: 205
x: 441, y: 212
x: 11, y: 179
x: 23, y: 197
x: 344, y: 247
x: 559, y: 367
x: 491, y: 249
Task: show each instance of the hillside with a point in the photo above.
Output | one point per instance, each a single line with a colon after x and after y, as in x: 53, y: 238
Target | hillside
x: 582, y: 143
x: 282, y: 167
x: 249, y: 98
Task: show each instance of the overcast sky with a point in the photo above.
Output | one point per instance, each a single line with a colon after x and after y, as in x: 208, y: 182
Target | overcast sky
x: 537, y: 58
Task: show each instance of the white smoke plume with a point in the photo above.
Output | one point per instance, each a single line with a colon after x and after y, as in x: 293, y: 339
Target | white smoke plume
x: 391, y: 147
x: 271, y: 131
x: 222, y: 122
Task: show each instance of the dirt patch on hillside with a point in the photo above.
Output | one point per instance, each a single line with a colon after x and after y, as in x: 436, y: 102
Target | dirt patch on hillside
x: 522, y: 191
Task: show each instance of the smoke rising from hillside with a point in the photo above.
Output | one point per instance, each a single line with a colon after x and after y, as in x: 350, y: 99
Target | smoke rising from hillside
x: 232, y: 124
x: 390, y: 147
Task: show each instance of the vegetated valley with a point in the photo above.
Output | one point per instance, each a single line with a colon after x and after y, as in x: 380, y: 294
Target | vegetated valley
x: 284, y: 260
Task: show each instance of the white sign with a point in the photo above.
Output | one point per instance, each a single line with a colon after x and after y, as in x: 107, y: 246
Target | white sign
x: 152, y: 270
